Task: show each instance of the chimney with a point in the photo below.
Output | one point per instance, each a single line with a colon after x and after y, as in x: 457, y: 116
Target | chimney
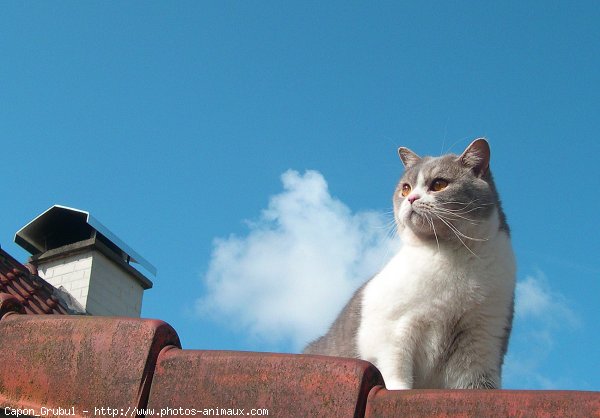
x: 73, y: 251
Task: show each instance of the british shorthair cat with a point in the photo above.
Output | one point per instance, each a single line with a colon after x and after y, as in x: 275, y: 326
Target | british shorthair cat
x: 439, y: 314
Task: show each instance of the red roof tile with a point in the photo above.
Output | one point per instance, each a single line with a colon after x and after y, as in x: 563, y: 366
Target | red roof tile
x: 383, y: 403
x: 100, y: 366
x: 286, y: 385
x: 36, y: 295
x: 80, y: 362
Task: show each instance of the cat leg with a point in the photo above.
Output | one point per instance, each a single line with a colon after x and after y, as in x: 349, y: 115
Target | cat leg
x: 473, y: 379
x: 390, y: 346
x: 396, y: 363
x: 396, y: 369
x: 473, y: 363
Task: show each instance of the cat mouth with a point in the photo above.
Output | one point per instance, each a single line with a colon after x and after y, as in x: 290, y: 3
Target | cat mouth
x: 420, y: 222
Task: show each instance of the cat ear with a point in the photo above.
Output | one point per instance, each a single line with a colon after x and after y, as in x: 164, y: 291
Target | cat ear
x: 408, y: 157
x: 477, y: 157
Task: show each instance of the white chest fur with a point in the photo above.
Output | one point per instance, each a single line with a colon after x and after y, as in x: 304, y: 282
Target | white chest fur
x: 413, y: 309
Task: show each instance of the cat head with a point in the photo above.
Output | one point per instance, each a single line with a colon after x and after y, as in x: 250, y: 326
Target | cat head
x: 448, y: 198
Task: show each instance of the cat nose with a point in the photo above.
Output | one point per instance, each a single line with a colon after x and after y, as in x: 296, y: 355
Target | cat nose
x: 413, y: 197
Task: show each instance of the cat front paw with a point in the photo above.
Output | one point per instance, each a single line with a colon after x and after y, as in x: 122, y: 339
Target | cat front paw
x: 397, y: 384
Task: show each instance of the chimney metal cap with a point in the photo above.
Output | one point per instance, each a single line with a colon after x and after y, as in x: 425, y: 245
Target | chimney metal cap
x: 62, y: 225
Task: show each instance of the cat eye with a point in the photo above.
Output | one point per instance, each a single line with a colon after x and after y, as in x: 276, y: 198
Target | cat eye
x: 406, y: 190
x: 438, y: 185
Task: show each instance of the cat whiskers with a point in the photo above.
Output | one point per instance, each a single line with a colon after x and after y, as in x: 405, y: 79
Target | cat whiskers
x: 465, y: 205
x: 453, y: 229
x: 430, y: 220
x: 456, y: 202
x: 456, y: 216
x: 459, y: 213
x: 460, y: 235
x: 391, y: 226
x: 391, y: 233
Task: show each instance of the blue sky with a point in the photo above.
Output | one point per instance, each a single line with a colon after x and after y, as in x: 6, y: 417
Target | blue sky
x: 248, y: 150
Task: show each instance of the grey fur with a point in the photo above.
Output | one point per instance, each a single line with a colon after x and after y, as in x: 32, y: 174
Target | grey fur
x: 340, y: 340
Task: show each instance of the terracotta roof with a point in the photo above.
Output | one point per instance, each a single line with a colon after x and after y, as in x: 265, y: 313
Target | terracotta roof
x: 89, y: 366
x: 20, y: 283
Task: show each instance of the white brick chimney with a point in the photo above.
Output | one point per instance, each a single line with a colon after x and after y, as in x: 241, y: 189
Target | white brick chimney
x: 73, y: 251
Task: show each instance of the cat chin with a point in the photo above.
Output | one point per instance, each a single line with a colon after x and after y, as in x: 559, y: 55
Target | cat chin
x: 417, y: 224
x: 410, y: 233
x: 418, y: 233
x: 423, y: 236
x: 413, y: 219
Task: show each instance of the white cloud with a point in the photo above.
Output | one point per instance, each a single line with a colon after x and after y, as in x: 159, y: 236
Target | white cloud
x: 287, y: 279
x: 541, y: 316
x: 535, y: 300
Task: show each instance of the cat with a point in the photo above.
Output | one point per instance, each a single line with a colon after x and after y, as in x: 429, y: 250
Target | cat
x: 439, y: 314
